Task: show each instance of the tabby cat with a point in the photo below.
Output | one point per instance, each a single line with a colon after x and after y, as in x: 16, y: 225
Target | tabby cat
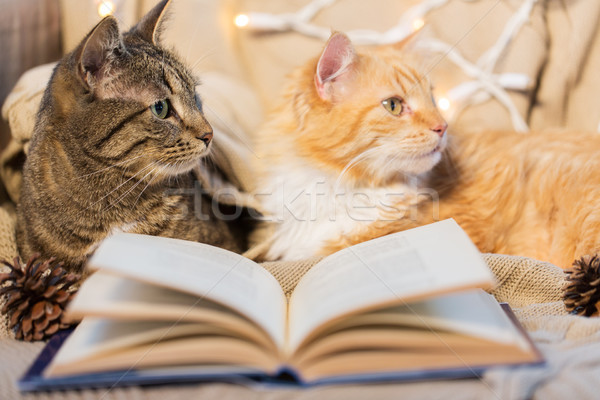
x: 119, y: 130
x: 358, y: 149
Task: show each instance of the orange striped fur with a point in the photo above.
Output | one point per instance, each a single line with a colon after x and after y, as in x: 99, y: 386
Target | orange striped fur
x: 533, y: 194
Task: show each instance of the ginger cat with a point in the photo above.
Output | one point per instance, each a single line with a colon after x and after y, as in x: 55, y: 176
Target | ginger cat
x: 358, y: 149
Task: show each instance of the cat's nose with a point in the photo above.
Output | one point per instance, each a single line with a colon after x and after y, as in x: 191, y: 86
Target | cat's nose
x: 440, y: 129
x: 206, y: 137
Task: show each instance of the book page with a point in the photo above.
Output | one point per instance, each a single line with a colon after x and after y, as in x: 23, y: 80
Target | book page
x: 393, y: 269
x: 102, y: 344
x: 112, y: 296
x: 472, y: 318
x: 205, y: 271
x: 471, y: 313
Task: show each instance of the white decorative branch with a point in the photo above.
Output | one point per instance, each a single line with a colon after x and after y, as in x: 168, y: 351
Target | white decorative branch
x: 300, y: 22
x: 484, y: 83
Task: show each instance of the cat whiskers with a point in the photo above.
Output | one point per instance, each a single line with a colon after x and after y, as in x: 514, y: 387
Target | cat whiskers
x: 357, y: 159
x: 209, y: 158
x: 118, y: 200
x: 172, y: 166
x: 121, y: 184
x: 110, y: 166
x: 387, y: 164
x: 147, y: 185
x: 202, y: 58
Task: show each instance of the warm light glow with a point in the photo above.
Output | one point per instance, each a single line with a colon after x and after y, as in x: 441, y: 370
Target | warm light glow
x: 418, y: 24
x: 241, y: 20
x: 443, y: 103
x: 105, y: 8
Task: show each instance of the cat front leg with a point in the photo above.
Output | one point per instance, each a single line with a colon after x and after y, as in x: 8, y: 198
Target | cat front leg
x: 371, y: 231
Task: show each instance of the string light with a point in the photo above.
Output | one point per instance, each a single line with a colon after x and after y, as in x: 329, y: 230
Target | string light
x: 105, y: 8
x: 241, y: 20
x: 443, y: 104
x: 300, y: 21
x: 418, y: 24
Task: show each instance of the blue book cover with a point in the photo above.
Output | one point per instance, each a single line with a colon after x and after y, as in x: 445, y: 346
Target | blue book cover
x: 34, y: 379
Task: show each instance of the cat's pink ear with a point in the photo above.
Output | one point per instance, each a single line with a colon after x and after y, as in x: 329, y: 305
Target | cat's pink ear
x: 98, y: 49
x: 150, y: 27
x: 334, y: 66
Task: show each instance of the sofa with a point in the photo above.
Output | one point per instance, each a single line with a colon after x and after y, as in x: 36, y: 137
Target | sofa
x: 499, y: 65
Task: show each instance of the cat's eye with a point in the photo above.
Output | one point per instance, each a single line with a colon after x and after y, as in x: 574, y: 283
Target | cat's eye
x: 198, y: 102
x: 160, y: 109
x: 393, y: 105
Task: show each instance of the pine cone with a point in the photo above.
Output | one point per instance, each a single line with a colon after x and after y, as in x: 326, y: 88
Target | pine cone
x: 36, y: 296
x: 582, y: 292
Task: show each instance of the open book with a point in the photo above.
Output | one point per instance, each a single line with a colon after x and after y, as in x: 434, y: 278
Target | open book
x: 405, y: 304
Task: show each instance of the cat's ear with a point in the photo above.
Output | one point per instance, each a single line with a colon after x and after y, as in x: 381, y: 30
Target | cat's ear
x: 100, y: 46
x: 150, y: 27
x: 335, y: 66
